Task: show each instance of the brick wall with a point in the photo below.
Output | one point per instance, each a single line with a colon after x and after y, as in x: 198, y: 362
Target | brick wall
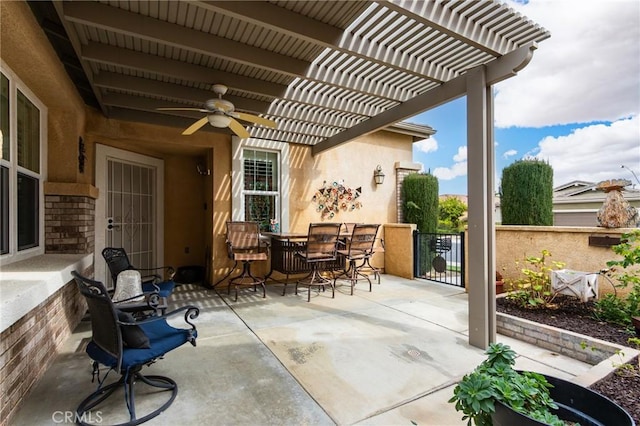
x: 402, y: 171
x: 69, y: 224
x: 575, y: 346
x: 28, y: 347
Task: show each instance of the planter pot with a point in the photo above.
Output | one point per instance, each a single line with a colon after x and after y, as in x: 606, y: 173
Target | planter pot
x: 575, y: 404
x: 636, y: 323
x: 499, y: 287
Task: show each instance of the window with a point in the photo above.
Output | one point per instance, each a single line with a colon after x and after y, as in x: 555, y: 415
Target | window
x: 260, y: 192
x: 260, y: 174
x: 23, y: 130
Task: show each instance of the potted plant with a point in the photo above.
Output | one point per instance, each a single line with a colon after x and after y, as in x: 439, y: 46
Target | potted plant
x: 496, y: 394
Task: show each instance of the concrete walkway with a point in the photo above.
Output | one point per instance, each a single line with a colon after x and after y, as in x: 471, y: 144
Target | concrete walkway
x: 389, y: 357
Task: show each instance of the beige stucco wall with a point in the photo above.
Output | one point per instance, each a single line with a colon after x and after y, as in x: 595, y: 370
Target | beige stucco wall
x: 26, y: 50
x: 399, y: 249
x: 353, y: 163
x: 566, y: 244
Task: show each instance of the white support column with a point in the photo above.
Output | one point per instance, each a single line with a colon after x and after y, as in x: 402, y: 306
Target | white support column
x: 481, y: 171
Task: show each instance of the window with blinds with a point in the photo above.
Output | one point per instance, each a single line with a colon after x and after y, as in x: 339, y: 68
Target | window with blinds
x: 260, y: 188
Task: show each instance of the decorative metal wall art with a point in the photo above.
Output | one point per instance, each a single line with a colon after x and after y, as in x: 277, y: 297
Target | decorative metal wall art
x: 335, y: 197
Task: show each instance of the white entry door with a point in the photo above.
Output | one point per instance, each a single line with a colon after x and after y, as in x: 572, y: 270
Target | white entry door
x: 129, y: 208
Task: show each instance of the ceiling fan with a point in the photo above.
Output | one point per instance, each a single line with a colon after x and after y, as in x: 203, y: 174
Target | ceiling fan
x: 221, y: 113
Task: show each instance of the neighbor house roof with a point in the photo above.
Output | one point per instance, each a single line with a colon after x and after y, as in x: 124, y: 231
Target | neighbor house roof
x: 324, y: 71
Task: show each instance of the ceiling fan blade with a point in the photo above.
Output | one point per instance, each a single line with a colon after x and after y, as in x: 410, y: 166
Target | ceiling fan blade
x: 237, y: 128
x: 195, y: 126
x: 255, y: 119
x: 182, y: 109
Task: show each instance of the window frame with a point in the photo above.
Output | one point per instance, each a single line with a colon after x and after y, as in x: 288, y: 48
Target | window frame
x: 14, y: 169
x: 281, y: 150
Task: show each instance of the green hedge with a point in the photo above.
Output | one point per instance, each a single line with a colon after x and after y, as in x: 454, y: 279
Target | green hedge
x: 526, y: 195
x: 419, y: 195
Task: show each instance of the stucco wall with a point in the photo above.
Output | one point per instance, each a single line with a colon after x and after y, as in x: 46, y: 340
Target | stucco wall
x: 566, y: 244
x: 26, y: 50
x: 354, y: 163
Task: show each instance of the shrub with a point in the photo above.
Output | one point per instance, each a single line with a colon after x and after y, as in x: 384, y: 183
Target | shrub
x: 612, y: 308
x: 419, y: 194
x: 526, y: 194
x: 496, y: 380
x: 533, y: 288
x: 449, y: 212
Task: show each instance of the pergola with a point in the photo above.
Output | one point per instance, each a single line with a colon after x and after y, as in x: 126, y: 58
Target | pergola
x: 325, y: 71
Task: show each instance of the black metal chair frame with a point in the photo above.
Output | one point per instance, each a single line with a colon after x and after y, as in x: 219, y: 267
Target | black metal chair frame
x: 321, y: 247
x: 359, y: 247
x: 107, y: 336
x: 117, y: 261
x: 244, y: 245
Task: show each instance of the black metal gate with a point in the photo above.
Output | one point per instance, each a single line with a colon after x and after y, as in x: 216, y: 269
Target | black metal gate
x: 439, y: 257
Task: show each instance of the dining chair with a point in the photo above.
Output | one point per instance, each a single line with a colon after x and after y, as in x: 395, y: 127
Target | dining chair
x: 359, y: 248
x: 321, y: 248
x: 244, y: 245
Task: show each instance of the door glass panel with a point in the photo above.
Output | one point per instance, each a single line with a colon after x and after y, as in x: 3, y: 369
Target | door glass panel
x: 130, y: 205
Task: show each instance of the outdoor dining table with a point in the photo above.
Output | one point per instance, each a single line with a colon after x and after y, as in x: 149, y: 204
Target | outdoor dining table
x: 284, y: 246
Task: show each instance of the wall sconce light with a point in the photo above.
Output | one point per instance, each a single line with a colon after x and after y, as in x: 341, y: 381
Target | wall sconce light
x: 378, y: 176
x: 81, y: 155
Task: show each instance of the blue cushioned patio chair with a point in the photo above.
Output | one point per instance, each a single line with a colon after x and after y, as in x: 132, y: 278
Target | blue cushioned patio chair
x: 118, y: 261
x: 125, y: 345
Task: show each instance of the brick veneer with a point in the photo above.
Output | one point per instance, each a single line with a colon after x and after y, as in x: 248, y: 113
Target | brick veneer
x: 69, y: 223
x: 28, y: 347
x: 402, y: 171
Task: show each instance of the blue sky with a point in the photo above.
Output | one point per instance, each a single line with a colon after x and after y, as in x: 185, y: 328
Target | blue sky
x: 576, y: 105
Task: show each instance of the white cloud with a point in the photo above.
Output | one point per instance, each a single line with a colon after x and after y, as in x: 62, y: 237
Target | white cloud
x: 461, y: 155
x: 587, y: 71
x: 459, y: 168
x: 510, y: 153
x: 426, y: 145
x: 594, y: 153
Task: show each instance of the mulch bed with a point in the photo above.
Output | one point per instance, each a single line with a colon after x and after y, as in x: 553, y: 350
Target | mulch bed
x: 571, y: 314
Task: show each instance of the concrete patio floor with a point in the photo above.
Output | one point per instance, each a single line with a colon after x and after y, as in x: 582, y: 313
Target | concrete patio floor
x: 386, y: 357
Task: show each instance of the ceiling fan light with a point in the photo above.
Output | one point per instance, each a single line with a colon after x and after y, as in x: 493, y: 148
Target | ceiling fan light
x: 219, y: 120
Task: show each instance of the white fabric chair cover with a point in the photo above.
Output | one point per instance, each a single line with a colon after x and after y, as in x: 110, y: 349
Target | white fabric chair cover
x: 129, y: 284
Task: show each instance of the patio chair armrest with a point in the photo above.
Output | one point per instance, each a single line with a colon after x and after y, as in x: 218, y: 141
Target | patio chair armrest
x: 151, y: 300
x: 191, y: 312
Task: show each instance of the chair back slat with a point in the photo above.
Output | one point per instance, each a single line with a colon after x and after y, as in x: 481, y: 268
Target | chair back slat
x: 363, y: 238
x: 104, y: 320
x: 322, y: 240
x: 117, y: 261
x: 243, y: 235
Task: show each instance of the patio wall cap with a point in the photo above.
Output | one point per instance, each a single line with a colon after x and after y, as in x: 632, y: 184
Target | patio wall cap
x: 73, y: 189
x: 27, y: 283
x: 564, y: 229
x: 400, y: 225
x: 408, y: 165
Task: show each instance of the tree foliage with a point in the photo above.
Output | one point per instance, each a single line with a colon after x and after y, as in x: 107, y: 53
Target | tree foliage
x: 526, y: 196
x: 449, y: 212
x: 419, y: 195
